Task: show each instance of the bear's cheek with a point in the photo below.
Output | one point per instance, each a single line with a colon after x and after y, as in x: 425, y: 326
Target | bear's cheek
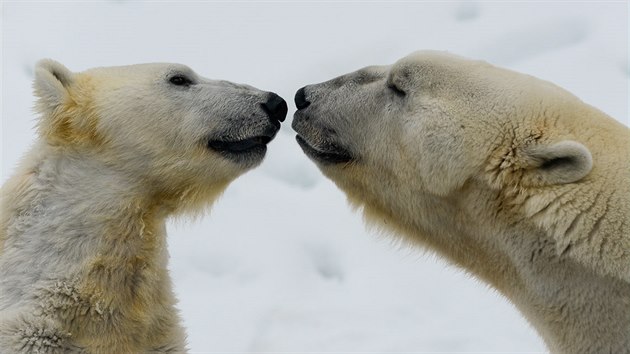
x: 75, y: 124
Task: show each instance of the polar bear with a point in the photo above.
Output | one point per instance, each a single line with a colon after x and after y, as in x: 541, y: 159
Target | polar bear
x: 508, y: 176
x: 82, y: 245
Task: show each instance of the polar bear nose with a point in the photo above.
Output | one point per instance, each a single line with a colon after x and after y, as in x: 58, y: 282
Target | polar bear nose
x: 300, y: 99
x: 275, y: 107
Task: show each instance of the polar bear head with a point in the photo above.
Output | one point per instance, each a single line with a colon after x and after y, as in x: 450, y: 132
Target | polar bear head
x: 434, y: 120
x: 163, y: 124
x: 436, y: 138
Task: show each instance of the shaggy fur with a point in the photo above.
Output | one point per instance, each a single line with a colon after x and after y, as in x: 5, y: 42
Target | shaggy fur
x: 510, y: 177
x: 83, y: 257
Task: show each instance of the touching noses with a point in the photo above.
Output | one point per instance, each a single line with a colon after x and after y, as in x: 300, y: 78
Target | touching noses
x: 276, y: 108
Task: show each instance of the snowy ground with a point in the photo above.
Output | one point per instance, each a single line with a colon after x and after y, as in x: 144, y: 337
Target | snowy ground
x: 281, y: 264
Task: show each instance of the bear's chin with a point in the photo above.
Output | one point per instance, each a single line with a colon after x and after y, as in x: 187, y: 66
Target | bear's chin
x: 333, y: 155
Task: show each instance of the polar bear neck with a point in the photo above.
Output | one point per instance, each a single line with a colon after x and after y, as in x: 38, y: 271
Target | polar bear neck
x: 71, y: 219
x: 574, y: 308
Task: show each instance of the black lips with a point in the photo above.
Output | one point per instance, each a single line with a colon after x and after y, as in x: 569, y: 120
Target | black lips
x: 333, y: 154
x: 239, y: 145
x: 253, y: 147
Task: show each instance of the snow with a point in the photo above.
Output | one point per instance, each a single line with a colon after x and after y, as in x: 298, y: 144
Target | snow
x: 282, y: 264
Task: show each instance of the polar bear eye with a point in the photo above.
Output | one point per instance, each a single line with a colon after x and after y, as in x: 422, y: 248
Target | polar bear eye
x: 396, y: 89
x: 180, y: 80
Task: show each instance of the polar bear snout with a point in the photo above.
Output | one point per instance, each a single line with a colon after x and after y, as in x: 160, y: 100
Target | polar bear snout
x: 300, y: 99
x: 318, y: 139
x: 248, y: 146
x: 276, y: 108
x: 243, y: 137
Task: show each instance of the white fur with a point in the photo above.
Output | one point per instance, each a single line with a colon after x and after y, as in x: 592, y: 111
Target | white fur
x: 505, y: 175
x: 83, y: 257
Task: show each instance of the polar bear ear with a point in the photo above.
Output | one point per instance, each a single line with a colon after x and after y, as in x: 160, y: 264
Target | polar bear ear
x: 560, y: 163
x: 52, y: 81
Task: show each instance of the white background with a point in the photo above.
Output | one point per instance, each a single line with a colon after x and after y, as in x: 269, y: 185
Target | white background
x: 281, y: 264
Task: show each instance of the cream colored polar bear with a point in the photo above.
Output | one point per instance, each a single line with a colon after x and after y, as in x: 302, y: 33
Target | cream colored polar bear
x: 505, y: 175
x: 83, y: 259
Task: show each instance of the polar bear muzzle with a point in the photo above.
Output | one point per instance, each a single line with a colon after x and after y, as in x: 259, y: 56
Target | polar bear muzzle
x: 252, y: 144
x: 318, y: 141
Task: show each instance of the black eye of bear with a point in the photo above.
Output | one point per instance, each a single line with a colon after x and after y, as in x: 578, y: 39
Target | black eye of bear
x: 396, y: 89
x: 180, y: 80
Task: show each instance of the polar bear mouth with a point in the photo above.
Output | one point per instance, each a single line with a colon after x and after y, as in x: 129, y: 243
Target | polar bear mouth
x: 247, y: 150
x: 240, y: 146
x: 333, y: 154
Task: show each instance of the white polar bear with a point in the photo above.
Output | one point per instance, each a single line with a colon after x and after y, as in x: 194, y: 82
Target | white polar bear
x: 82, y: 241
x: 505, y: 175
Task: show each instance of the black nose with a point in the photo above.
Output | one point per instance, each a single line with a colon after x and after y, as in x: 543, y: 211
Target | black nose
x: 275, y: 107
x: 300, y: 99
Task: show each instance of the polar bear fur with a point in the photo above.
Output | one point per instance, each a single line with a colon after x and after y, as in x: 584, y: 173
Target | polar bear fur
x: 508, y: 176
x: 83, y: 258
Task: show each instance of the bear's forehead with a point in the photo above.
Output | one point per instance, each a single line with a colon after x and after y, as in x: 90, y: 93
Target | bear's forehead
x: 140, y: 70
x: 430, y: 61
x: 433, y: 55
x: 437, y: 67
